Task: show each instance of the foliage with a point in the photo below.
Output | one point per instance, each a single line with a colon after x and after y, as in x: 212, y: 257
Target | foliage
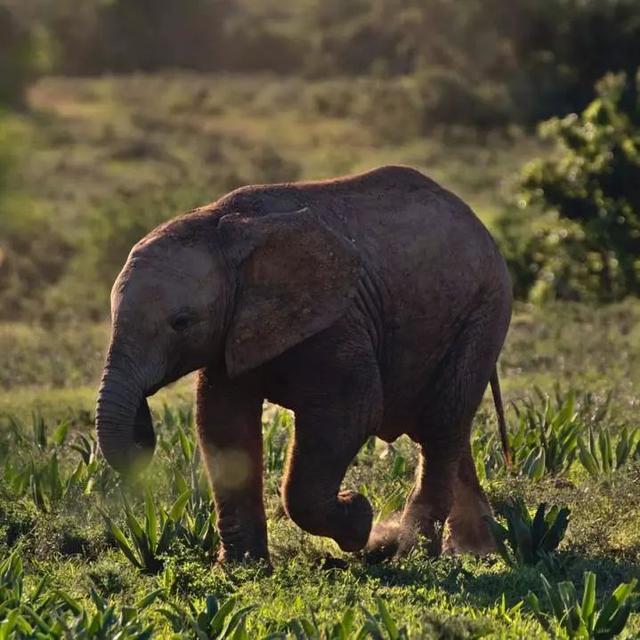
x: 376, y: 625
x: 546, y: 438
x: 33, y: 252
x: 214, y: 621
x: 592, y: 182
x: 39, y: 474
x: 275, y: 437
x: 487, y: 455
x: 582, y: 618
x: 546, y: 435
x: 150, y: 538
x: 48, y: 612
x: 547, y: 257
x: 476, y: 62
x: 606, y: 453
x: 17, y: 59
x: 530, y: 540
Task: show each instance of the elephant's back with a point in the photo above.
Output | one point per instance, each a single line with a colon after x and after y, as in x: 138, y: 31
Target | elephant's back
x: 403, y: 224
x: 411, y: 229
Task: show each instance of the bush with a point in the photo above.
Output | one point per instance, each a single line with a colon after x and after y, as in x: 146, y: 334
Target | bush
x: 528, y: 540
x: 33, y: 253
x: 593, y: 181
x: 580, y: 617
x: 16, y: 60
x: 548, y: 258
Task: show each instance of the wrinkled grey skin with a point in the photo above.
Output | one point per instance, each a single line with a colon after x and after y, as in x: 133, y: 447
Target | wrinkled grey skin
x: 375, y: 304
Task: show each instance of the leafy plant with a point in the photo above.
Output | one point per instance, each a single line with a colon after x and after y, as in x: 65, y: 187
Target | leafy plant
x: 399, y: 463
x: 106, y: 621
x: 150, y: 538
x: 48, y: 485
x: 487, y: 456
x: 21, y: 611
x: 197, y: 524
x: 528, y: 540
x: 39, y: 431
x: 213, y: 621
x: 604, y: 454
x: 580, y: 618
x: 48, y: 612
x: 378, y: 625
x: 546, y: 437
x: 391, y: 502
x: 591, y: 181
x: 276, y: 435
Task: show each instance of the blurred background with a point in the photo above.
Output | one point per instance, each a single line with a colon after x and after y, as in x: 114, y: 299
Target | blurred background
x: 118, y: 114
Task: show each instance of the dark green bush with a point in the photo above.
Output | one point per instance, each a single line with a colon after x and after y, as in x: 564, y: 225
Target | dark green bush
x: 16, y: 59
x: 548, y: 258
x: 592, y: 183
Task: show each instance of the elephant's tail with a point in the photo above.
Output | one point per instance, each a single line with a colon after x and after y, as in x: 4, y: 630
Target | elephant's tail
x: 502, y: 424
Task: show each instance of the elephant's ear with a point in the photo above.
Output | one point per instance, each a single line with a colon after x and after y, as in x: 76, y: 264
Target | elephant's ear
x: 296, y: 277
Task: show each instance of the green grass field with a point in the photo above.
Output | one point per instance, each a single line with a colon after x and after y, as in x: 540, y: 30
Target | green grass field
x: 68, y: 524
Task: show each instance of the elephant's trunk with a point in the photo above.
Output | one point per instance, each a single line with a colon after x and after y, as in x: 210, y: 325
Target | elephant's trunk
x: 123, y: 420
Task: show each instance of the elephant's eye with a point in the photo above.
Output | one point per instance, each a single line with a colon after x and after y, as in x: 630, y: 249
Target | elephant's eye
x: 181, y: 321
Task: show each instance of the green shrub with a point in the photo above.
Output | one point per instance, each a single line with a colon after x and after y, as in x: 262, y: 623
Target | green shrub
x: 592, y: 181
x: 215, y: 621
x: 275, y: 440
x: 377, y: 624
x: 545, y: 439
x: 580, y: 618
x: 150, y: 538
x: 44, y: 611
x: 548, y: 257
x: 606, y: 453
x: 17, y: 59
x: 526, y: 540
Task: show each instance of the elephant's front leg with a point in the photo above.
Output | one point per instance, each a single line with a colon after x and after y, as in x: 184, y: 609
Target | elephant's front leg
x: 331, y: 426
x: 230, y: 434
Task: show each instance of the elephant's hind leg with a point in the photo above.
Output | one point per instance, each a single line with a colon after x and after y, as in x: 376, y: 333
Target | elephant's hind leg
x: 448, y: 484
x: 444, y: 479
x: 467, y: 529
x: 230, y: 434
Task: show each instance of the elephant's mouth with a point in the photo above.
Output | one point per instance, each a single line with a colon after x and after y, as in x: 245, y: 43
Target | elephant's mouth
x: 143, y: 435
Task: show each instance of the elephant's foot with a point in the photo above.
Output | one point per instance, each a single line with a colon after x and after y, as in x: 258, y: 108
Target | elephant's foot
x: 384, y: 541
x: 242, y: 542
x: 475, y: 542
x: 356, y: 516
x: 396, y: 537
x: 467, y: 532
x: 346, y: 517
x: 234, y: 555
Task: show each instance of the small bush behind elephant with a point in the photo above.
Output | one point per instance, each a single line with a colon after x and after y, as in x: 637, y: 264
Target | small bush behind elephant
x: 375, y: 304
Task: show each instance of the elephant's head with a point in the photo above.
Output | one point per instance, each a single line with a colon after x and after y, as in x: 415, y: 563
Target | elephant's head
x: 228, y: 291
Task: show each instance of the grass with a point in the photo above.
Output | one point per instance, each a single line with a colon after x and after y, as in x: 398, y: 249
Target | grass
x: 62, y: 533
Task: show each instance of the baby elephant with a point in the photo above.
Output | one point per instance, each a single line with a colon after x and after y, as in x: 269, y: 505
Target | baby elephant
x: 370, y: 305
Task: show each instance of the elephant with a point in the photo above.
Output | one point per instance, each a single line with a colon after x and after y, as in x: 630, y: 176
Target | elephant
x: 369, y: 305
